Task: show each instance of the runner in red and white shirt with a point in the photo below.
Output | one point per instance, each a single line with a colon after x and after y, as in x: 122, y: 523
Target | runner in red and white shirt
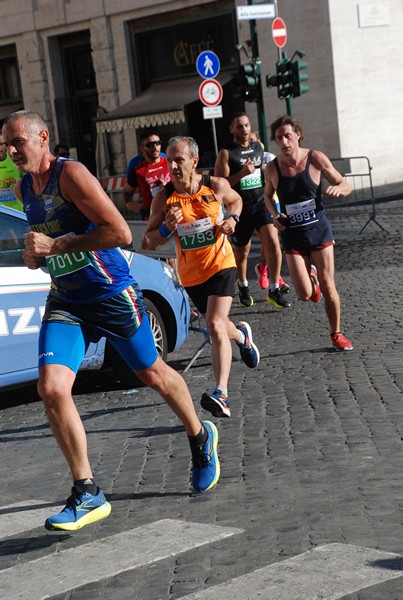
x: 147, y: 178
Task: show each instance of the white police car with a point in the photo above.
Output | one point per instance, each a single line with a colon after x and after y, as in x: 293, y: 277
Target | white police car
x: 23, y: 295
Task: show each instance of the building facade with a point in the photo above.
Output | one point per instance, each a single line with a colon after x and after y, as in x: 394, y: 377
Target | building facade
x: 101, y: 72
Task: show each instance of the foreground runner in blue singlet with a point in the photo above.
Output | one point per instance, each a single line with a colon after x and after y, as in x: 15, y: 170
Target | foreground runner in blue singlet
x: 77, y: 232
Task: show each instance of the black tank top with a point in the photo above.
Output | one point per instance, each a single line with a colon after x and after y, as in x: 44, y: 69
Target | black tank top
x: 298, y: 187
x: 299, y: 196
x: 250, y: 188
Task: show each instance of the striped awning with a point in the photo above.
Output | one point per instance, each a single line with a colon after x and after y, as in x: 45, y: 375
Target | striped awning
x: 163, y: 103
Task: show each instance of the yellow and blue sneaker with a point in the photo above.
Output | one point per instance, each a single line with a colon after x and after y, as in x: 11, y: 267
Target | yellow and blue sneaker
x: 81, y: 509
x: 206, y: 466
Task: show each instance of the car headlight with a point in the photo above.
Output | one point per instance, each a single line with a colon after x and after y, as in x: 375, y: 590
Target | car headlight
x: 171, y: 273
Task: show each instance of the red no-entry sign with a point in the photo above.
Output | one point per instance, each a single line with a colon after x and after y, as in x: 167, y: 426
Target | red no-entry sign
x: 279, y: 32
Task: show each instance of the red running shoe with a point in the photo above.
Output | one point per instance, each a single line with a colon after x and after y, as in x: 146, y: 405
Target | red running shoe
x: 317, y: 294
x: 262, y: 275
x: 340, y: 343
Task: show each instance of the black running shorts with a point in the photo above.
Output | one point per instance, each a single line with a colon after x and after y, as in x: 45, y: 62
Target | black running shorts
x: 220, y: 284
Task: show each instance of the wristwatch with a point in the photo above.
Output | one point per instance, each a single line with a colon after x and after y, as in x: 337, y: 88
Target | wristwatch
x: 234, y: 216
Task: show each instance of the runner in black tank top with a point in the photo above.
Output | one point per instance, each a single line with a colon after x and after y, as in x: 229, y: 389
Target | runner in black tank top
x: 305, y: 230
x: 242, y: 165
x: 301, y: 200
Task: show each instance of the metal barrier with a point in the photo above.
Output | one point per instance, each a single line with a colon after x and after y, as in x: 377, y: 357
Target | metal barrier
x: 113, y: 186
x: 357, y: 170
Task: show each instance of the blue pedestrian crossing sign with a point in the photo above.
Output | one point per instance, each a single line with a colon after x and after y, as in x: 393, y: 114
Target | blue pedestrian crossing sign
x: 208, y: 64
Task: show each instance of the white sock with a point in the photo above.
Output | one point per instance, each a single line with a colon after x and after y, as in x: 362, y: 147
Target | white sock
x: 242, y: 337
x: 243, y: 283
x: 274, y: 286
x: 222, y: 389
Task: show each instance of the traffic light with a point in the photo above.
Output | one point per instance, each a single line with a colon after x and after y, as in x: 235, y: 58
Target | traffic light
x: 288, y: 79
x: 249, y: 79
x: 283, y: 79
x: 271, y: 80
x: 298, y: 87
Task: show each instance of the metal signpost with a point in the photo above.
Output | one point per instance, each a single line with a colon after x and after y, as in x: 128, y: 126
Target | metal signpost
x: 279, y: 34
x: 210, y: 90
x: 252, y: 12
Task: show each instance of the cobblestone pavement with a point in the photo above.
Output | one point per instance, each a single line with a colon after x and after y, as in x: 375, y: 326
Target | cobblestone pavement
x: 312, y: 454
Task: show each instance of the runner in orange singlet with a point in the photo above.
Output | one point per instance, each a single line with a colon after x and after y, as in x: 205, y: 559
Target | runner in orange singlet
x: 190, y: 207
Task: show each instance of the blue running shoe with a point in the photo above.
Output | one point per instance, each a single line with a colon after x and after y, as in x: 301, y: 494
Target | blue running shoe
x: 81, y: 509
x: 206, y: 466
x: 216, y: 402
x: 248, y: 350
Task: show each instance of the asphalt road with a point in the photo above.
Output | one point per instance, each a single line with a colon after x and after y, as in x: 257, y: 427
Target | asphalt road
x: 310, y: 500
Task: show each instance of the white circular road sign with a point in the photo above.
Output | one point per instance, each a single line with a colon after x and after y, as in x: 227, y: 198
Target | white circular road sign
x: 210, y: 92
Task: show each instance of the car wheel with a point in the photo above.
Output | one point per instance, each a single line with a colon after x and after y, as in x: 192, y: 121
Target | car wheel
x: 123, y: 372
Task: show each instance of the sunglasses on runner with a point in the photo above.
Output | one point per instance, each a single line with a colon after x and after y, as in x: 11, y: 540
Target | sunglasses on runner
x: 151, y: 144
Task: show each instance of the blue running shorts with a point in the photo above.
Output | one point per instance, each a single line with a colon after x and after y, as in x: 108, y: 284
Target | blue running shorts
x: 66, y: 344
x: 68, y: 329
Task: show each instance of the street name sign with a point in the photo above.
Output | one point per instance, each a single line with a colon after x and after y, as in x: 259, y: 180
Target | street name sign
x: 260, y: 11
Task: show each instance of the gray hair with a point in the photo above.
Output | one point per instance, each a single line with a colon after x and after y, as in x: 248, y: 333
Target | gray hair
x: 191, y: 142
x: 32, y: 117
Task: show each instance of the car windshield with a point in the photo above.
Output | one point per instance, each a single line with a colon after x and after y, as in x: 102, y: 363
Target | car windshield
x: 12, y: 231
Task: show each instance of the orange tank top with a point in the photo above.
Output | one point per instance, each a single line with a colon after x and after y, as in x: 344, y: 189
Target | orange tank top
x: 201, y: 250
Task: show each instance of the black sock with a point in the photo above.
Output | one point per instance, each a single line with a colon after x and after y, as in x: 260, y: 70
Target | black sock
x: 199, y: 439
x: 87, y: 486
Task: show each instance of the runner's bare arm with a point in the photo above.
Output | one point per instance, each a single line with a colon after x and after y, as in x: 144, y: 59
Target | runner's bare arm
x: 338, y: 184
x: 131, y: 198
x: 269, y: 191
x: 84, y: 190
x: 232, y: 201
x: 153, y: 238
x: 221, y: 168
